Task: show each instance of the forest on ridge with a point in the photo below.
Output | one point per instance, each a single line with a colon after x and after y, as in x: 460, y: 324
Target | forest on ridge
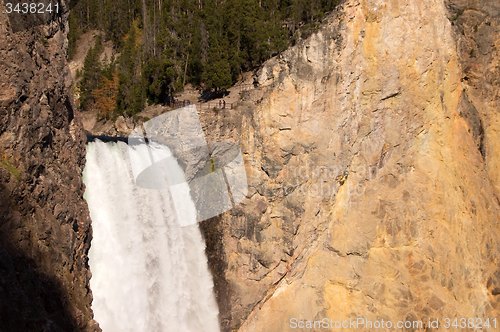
x: 164, y: 44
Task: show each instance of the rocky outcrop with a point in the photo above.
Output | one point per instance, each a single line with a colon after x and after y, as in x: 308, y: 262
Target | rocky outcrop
x: 45, y: 227
x: 476, y: 29
x: 372, y: 159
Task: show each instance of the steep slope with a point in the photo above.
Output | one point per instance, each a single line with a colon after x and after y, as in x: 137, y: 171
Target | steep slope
x: 477, y: 32
x: 44, y: 223
x: 372, y: 160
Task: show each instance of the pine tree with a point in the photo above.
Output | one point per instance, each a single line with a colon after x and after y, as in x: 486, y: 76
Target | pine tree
x: 73, y: 35
x: 159, y: 77
x: 92, y: 71
x: 131, y: 94
x: 217, y: 74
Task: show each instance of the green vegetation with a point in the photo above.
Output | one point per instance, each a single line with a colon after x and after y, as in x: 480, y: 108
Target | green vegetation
x: 45, y: 42
x: 91, y: 74
x: 12, y: 170
x: 457, y: 15
x: 164, y: 44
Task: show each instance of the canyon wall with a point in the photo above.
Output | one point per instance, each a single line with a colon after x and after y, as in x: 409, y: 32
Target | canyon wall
x: 372, y: 153
x: 45, y: 227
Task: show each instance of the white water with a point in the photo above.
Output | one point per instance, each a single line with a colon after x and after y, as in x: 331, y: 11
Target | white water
x: 148, y: 273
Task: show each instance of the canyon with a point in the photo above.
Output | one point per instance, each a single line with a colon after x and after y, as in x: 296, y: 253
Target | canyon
x: 372, y: 152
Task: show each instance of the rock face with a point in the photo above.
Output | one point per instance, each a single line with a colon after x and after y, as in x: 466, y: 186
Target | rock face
x: 45, y: 227
x: 372, y: 153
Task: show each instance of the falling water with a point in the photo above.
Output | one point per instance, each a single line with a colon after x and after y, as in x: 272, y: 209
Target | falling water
x: 148, y: 273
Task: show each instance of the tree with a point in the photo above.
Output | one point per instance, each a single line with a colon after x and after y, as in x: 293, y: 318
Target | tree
x: 217, y: 72
x: 91, y: 75
x: 74, y: 33
x: 105, y: 96
x: 166, y: 43
x: 159, y: 76
x: 131, y: 92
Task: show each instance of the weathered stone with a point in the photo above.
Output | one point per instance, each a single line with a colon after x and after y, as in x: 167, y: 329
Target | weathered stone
x: 373, y: 145
x: 45, y: 227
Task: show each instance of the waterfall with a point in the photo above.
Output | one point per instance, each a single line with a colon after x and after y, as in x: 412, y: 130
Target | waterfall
x: 148, y: 273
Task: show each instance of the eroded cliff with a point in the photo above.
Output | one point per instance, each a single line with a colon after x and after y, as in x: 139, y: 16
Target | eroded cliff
x: 372, y: 159
x: 45, y: 227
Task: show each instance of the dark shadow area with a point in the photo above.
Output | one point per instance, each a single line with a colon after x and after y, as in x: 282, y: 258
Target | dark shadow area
x: 212, y: 232
x: 106, y: 139
x: 30, y: 300
x: 208, y: 95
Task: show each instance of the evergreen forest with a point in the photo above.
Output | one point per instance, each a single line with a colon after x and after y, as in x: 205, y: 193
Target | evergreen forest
x: 164, y: 44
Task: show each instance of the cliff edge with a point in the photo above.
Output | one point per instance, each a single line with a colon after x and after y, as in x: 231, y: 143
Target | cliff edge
x: 372, y: 160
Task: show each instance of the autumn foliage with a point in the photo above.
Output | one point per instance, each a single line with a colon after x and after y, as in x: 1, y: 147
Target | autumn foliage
x: 105, y: 96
